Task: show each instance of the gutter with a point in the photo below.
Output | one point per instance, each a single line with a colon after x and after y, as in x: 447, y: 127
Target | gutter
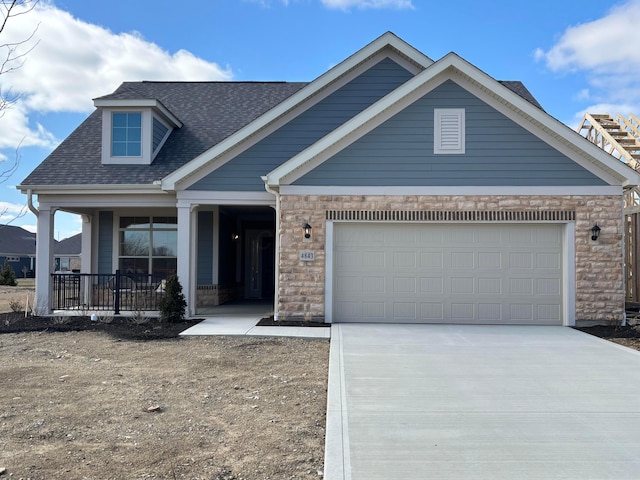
x: 276, y: 296
x: 33, y: 209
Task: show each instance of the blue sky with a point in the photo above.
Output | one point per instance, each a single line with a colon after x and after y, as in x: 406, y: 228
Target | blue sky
x: 573, y: 56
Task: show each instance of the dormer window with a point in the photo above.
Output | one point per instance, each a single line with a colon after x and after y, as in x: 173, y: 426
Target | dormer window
x: 126, y: 134
x: 133, y: 131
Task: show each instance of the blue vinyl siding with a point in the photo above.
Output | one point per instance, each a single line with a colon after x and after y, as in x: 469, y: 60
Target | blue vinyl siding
x: 243, y: 172
x: 205, y: 248
x: 498, y: 152
x: 105, y: 242
x: 159, y: 131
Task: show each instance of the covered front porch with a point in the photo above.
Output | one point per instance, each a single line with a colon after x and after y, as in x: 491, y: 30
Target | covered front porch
x: 222, y: 253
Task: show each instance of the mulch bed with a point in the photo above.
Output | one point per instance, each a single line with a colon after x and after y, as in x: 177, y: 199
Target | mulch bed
x: 123, y: 328
x: 609, y: 332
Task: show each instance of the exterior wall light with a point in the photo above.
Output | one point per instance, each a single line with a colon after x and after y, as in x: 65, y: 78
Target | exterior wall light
x: 307, y: 230
x: 595, y: 232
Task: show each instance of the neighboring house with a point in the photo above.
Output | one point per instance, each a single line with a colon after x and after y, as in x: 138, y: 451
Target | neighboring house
x: 393, y: 188
x: 67, y: 254
x: 18, y: 247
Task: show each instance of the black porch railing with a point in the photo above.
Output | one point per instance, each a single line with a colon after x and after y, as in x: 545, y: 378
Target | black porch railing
x: 113, y: 292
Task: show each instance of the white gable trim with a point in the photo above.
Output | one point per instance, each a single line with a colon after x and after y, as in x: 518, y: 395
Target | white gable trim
x: 497, y: 95
x: 208, y: 161
x: 139, y: 104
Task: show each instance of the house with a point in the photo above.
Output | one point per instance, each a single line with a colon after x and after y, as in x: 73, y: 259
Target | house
x: 18, y: 248
x: 392, y: 188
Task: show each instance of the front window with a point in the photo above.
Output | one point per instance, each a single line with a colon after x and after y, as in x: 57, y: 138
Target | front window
x: 126, y: 134
x: 148, y: 245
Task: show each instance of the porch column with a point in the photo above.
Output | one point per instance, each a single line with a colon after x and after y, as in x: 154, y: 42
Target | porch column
x: 44, y: 259
x: 85, y: 257
x: 85, y: 249
x: 186, y: 239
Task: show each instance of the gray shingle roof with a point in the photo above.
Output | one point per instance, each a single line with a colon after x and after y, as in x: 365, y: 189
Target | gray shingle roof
x: 209, y: 111
x: 18, y: 241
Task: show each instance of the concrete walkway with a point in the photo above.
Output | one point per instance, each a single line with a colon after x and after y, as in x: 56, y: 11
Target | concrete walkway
x: 246, y: 325
x: 480, y: 402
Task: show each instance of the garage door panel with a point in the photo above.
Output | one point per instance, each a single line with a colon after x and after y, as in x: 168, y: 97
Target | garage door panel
x: 489, y: 286
x: 404, y: 260
x: 431, y: 260
x: 431, y: 286
x: 462, y: 285
x: 500, y: 273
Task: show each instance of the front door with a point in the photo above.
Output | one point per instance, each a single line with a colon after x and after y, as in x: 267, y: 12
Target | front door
x: 259, y: 264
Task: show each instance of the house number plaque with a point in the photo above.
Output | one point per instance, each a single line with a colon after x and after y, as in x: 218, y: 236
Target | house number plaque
x: 307, y: 255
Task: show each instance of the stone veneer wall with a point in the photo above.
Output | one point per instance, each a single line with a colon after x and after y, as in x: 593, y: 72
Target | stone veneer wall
x: 599, y: 283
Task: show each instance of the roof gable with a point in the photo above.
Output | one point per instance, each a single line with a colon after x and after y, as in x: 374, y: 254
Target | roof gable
x: 387, y: 45
x: 402, y: 151
x: 502, y: 98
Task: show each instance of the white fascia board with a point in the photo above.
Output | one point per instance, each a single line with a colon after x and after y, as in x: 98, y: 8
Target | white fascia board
x: 607, y: 167
x: 606, y: 190
x: 140, y: 103
x: 195, y: 197
x: 116, y: 189
x: 385, y: 41
x: 130, y: 200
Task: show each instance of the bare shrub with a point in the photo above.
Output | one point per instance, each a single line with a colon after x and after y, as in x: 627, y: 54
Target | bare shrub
x: 16, y: 305
x: 61, y: 320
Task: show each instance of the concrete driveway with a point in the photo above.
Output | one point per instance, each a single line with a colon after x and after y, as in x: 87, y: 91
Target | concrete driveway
x: 480, y: 402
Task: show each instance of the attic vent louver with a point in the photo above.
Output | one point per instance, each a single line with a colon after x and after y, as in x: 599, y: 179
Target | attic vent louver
x: 449, y: 131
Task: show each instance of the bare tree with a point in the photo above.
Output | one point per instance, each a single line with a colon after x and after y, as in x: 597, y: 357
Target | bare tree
x: 11, y: 58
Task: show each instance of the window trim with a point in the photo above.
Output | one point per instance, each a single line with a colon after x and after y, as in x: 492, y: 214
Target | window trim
x: 150, y: 257
x: 146, y: 156
x: 126, y: 142
x: 452, y: 114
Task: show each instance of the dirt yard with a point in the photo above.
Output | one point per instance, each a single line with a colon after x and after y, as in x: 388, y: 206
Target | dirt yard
x: 121, y: 400
x: 90, y: 405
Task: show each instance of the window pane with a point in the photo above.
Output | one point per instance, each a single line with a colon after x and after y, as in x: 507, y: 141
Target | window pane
x: 134, y: 222
x: 165, y: 222
x: 133, y: 150
x: 130, y: 266
x: 134, y: 119
x: 164, y: 266
x: 119, y: 120
x: 119, y: 149
x: 119, y: 134
x: 134, y: 135
x: 134, y: 243
x: 165, y: 243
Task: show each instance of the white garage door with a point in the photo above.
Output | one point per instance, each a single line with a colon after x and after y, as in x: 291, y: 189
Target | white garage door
x: 448, y: 273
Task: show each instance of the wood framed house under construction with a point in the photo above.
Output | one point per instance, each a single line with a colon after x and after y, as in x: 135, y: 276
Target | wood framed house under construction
x: 620, y: 137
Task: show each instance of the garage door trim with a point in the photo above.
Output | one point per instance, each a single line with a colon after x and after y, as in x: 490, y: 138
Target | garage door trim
x: 568, y: 267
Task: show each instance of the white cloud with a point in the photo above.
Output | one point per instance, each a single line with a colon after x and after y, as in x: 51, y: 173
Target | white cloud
x: 9, y: 212
x: 368, y: 4
x: 606, y: 50
x: 30, y: 228
x: 75, y: 61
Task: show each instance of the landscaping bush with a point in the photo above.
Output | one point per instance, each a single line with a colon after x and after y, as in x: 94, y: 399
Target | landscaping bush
x: 7, y: 275
x: 172, y: 305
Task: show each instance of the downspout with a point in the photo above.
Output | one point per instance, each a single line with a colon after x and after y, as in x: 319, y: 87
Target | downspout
x: 276, y: 296
x: 33, y: 209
